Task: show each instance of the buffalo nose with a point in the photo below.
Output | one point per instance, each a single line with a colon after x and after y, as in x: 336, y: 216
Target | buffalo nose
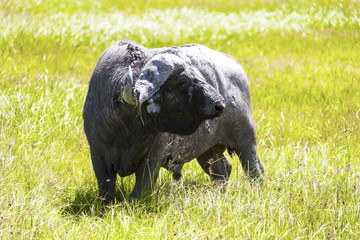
x: 220, y: 107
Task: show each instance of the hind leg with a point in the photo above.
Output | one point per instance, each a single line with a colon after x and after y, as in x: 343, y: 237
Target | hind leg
x: 243, y: 142
x: 250, y: 161
x: 215, y: 164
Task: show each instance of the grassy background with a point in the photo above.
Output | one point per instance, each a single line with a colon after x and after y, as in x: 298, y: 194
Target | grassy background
x: 302, y: 60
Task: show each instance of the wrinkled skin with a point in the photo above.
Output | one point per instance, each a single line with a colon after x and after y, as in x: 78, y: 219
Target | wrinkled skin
x: 201, y: 109
x: 183, y: 110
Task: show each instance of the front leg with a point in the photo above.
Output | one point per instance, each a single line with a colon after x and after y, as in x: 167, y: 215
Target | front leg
x: 215, y: 164
x: 106, y: 179
x: 173, y: 167
x: 146, y: 176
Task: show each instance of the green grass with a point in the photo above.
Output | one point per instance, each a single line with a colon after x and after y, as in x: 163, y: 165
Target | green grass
x: 302, y: 60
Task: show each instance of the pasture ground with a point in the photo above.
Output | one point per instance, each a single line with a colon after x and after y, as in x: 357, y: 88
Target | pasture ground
x: 302, y: 60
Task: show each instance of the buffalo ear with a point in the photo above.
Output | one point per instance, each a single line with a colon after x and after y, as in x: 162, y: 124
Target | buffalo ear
x: 155, y: 73
x: 126, y: 94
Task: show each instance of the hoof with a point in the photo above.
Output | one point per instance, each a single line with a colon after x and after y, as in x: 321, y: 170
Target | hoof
x: 177, y: 176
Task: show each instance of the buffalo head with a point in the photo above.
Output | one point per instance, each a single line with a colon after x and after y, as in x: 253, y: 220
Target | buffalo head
x: 174, y: 94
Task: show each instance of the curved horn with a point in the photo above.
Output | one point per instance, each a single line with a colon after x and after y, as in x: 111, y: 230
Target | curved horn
x: 127, y: 91
x: 155, y: 73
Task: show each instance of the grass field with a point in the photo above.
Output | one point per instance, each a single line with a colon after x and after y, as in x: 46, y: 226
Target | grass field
x: 303, y: 63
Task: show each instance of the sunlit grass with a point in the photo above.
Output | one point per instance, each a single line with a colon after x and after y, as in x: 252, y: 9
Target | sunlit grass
x: 141, y: 6
x: 103, y: 27
x: 302, y: 61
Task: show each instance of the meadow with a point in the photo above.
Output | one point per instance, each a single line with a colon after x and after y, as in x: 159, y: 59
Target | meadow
x: 302, y: 59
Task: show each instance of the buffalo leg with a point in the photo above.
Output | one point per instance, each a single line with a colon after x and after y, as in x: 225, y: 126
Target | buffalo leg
x: 246, y: 148
x: 174, y: 167
x: 250, y: 161
x: 215, y: 164
x: 106, y: 180
x: 146, y: 176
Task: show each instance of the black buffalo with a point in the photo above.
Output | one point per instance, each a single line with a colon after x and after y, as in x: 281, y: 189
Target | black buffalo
x: 152, y: 108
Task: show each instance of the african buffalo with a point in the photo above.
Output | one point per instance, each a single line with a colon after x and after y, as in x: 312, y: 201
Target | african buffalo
x: 151, y: 108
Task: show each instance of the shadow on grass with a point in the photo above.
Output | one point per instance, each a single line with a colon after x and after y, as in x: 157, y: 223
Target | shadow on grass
x: 82, y: 204
x: 85, y: 202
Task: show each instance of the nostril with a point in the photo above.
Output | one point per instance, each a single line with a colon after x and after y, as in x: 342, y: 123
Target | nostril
x: 220, y: 107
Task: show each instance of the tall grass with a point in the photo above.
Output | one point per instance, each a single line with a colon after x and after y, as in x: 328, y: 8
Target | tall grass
x: 302, y: 61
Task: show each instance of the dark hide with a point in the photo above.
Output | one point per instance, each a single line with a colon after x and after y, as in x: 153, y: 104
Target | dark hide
x: 121, y: 135
x: 174, y: 112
